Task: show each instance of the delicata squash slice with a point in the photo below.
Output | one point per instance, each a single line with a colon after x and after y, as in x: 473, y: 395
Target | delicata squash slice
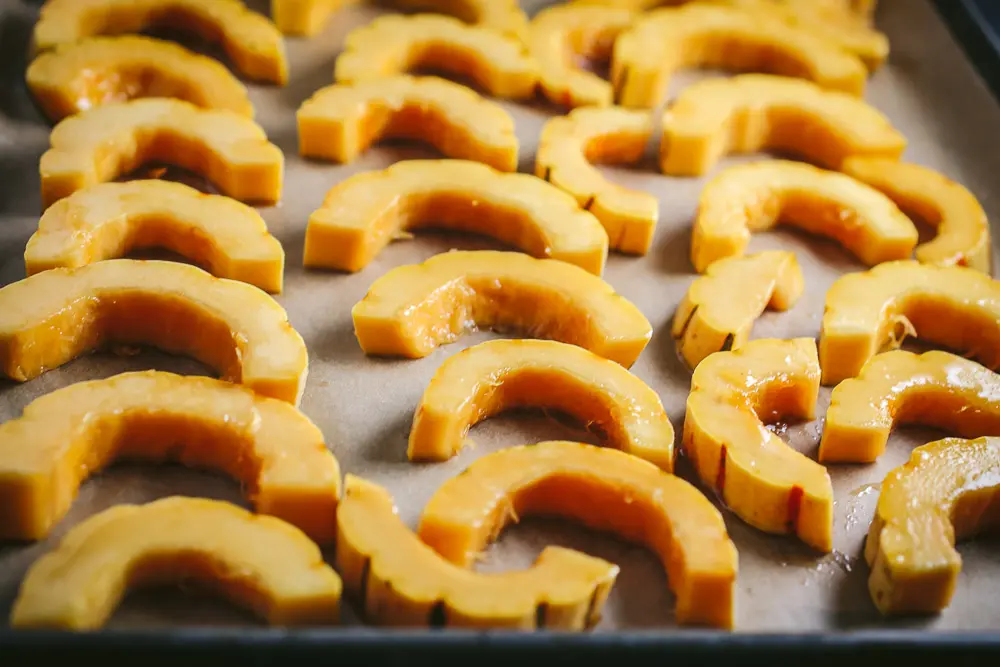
x: 603, y: 489
x: 755, y: 112
x: 934, y: 389
x: 363, y: 213
x: 108, y: 220
x: 946, y: 492
x: 566, y: 148
x: 275, y: 452
x: 304, y: 17
x: 413, y: 309
x: 498, y: 375
x: 109, y: 141
x: 504, y: 16
x: 342, y: 121
x: 758, y: 195
x: 259, y: 562
x: 760, y: 478
x: 951, y: 306
x: 398, y: 580
x: 52, y: 317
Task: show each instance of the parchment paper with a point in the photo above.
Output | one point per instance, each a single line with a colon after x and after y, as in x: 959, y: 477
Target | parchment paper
x: 364, y: 406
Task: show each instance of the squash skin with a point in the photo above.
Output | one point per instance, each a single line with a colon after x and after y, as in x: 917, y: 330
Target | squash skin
x: 260, y: 562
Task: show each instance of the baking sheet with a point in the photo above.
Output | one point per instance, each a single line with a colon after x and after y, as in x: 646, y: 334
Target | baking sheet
x: 364, y: 406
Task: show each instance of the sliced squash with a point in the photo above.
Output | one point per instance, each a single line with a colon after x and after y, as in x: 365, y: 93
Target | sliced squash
x: 109, y: 141
x: 52, y: 317
x: 760, y: 478
x: 342, y: 121
x: 108, y: 220
x: 719, y: 309
x: 364, y: 213
x: 504, y: 16
x: 756, y: 196
x: 259, y: 562
x: 413, y: 309
x: 566, y: 148
x: 304, y: 17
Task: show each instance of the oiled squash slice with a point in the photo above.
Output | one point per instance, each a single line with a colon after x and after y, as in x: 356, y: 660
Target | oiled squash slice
x: 756, y: 196
x: 395, y: 44
x: 62, y: 438
x: 304, y: 17
x: 398, y: 580
x: 704, y: 35
x: 249, y: 39
x: 109, y: 141
x: 566, y: 148
x: 260, y: 562
x: 52, y: 317
x: 342, y: 121
x: 951, y: 306
x: 362, y: 214
x: 82, y: 75
x: 413, y: 309
x: 720, y: 307
x: 560, y: 35
x: 963, y: 232
x: 755, y: 112
x: 499, y: 375
x: 760, y: 478
x: 108, y: 220
x: 603, y: 489
x: 949, y: 490
x: 504, y: 16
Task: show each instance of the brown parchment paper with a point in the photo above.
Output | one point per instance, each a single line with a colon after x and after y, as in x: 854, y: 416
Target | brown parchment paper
x: 364, y: 406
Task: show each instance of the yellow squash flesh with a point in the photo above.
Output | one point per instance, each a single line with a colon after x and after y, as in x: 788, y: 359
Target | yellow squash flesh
x: 503, y: 16
x: 304, y: 18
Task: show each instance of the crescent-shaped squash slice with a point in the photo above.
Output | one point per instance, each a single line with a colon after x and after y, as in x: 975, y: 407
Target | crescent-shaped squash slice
x: 363, y: 213
x: 413, y: 309
x: 108, y: 220
x: 504, y: 16
x: 755, y: 112
x: 260, y: 562
x: 395, y: 44
x: 52, y: 317
x: 603, y: 489
x: 760, y: 478
x: 342, y: 121
x: 82, y: 75
x: 503, y: 374
x: 935, y: 389
x: 570, y: 143
x: 249, y: 39
x: 561, y: 34
x: 952, y: 306
x: 948, y: 491
x: 304, y: 17
x: 720, y: 307
x: 963, y: 232
x: 756, y: 196
x: 109, y: 141
x: 70, y: 434
x: 400, y: 581
x: 704, y: 35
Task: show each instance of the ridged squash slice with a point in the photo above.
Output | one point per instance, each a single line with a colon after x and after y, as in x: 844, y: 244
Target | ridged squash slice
x: 760, y: 478
x: 755, y: 112
x: 720, y: 307
x: 603, y: 489
x: 948, y: 491
x: 398, y: 580
x: 499, y: 375
x: 756, y: 196
x: 304, y: 17
x: 504, y: 16
x: 108, y: 220
x: 566, y: 148
x: 362, y: 214
x: 951, y: 306
x: 413, y: 309
x: 112, y: 140
x: 52, y: 317
x: 395, y: 44
x: 342, y: 121
x: 259, y: 562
